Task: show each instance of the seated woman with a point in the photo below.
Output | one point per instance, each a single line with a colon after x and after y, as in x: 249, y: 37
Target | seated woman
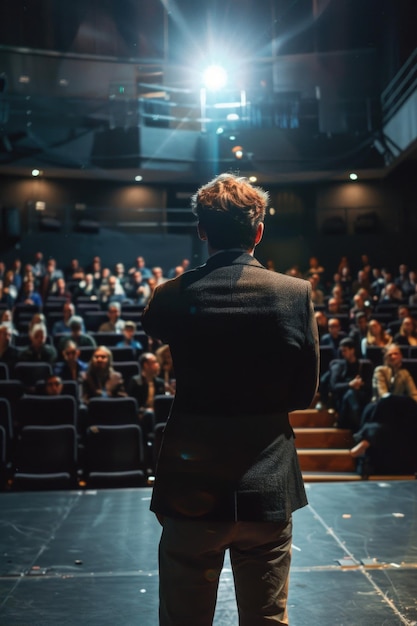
x: 387, y: 438
x: 407, y: 335
x: 376, y: 336
x: 101, y: 380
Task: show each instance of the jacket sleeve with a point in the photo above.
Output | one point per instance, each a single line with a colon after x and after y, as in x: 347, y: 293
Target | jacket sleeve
x: 308, y: 370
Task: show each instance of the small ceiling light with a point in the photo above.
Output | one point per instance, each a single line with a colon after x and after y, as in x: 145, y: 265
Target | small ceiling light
x: 220, y: 130
x: 353, y: 176
x: 252, y: 179
x: 271, y: 211
x: 36, y: 172
x: 138, y: 178
x: 238, y: 152
x: 232, y: 117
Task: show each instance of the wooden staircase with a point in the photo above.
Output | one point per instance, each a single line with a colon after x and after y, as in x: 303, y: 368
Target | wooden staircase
x: 324, y: 450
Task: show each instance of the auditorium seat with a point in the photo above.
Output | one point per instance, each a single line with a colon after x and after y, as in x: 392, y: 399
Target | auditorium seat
x: 127, y: 369
x: 114, y: 457
x: 162, y: 405
x: 33, y: 410
x: 112, y: 411
x: 4, y: 371
x: 46, y: 458
x: 29, y: 373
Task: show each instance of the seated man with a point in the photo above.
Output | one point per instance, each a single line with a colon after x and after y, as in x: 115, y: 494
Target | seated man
x: 387, y: 437
x: 144, y: 388
x: 129, y: 340
x: 350, y: 383
x: 71, y: 368
x: 61, y: 327
x: 115, y: 324
x: 8, y: 353
x: 76, y: 335
x: 334, y: 336
x: 38, y: 349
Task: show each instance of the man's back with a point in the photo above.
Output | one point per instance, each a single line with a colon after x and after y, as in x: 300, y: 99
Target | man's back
x: 244, y: 345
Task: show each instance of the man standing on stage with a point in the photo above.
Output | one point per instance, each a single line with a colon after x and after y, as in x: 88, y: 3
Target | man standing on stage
x: 244, y: 344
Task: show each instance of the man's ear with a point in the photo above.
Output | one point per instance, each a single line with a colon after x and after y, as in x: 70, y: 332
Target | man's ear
x: 259, y: 233
x: 201, y: 232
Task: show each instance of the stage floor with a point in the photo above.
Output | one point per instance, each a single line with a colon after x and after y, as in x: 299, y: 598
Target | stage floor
x: 90, y: 558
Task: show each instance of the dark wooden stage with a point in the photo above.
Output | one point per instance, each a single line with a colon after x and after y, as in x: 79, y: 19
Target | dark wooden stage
x: 89, y: 558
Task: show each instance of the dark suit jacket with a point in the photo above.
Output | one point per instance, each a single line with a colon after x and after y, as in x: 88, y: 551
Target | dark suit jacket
x: 138, y: 388
x: 244, y: 344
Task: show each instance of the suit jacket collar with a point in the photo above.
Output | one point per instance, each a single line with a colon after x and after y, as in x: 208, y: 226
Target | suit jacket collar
x: 231, y: 257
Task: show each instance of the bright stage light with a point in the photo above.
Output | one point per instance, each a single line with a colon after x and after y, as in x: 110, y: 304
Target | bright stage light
x: 215, y: 77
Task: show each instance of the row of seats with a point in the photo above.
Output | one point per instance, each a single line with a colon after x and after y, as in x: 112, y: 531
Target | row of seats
x: 375, y: 354
x: 46, y: 442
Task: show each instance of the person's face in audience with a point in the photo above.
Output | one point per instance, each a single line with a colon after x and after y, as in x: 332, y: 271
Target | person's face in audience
x: 100, y: 359
x: 113, y: 314
x: 151, y: 366
x: 128, y: 332
x: 38, y: 339
x: 362, y: 323
x: 408, y: 326
x: 54, y: 386
x: 71, y: 354
x: 393, y: 357
x: 347, y: 353
x: 334, y: 328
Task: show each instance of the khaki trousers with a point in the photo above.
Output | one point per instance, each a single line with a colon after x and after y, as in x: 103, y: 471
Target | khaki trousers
x: 191, y: 555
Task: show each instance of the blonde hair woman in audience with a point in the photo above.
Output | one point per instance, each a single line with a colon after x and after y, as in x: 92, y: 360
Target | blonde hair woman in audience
x: 407, y: 335
x: 376, y: 336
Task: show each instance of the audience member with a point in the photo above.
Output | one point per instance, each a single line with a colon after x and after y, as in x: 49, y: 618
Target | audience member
x: 322, y: 323
x: 358, y: 331
x: 8, y: 353
x: 62, y: 327
x: 407, y: 335
x: 350, y: 385
x: 138, y: 290
x: 72, y: 367
x: 114, y: 324
x: 129, y: 340
x: 53, y: 385
x: 86, y: 288
x: 376, y: 336
x: 112, y: 291
x: 144, y: 387
x: 164, y: 356
x: 6, y: 319
x: 38, y: 350
x: 141, y: 266
x: 29, y: 295
x: 386, y: 440
x: 317, y: 294
x: 80, y: 338
x: 334, y: 336
x: 101, y: 380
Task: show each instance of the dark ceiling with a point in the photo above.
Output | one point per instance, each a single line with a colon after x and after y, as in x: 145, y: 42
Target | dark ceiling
x: 108, y: 89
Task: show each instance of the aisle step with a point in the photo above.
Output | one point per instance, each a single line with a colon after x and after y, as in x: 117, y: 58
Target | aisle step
x: 323, y: 438
x: 311, y: 418
x: 319, y: 460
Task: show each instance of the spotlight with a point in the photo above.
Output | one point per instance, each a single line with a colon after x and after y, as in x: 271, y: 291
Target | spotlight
x: 215, y: 77
x: 138, y: 178
x: 353, y: 176
x: 36, y: 172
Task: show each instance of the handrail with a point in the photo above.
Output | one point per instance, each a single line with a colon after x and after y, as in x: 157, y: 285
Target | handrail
x: 400, y: 88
